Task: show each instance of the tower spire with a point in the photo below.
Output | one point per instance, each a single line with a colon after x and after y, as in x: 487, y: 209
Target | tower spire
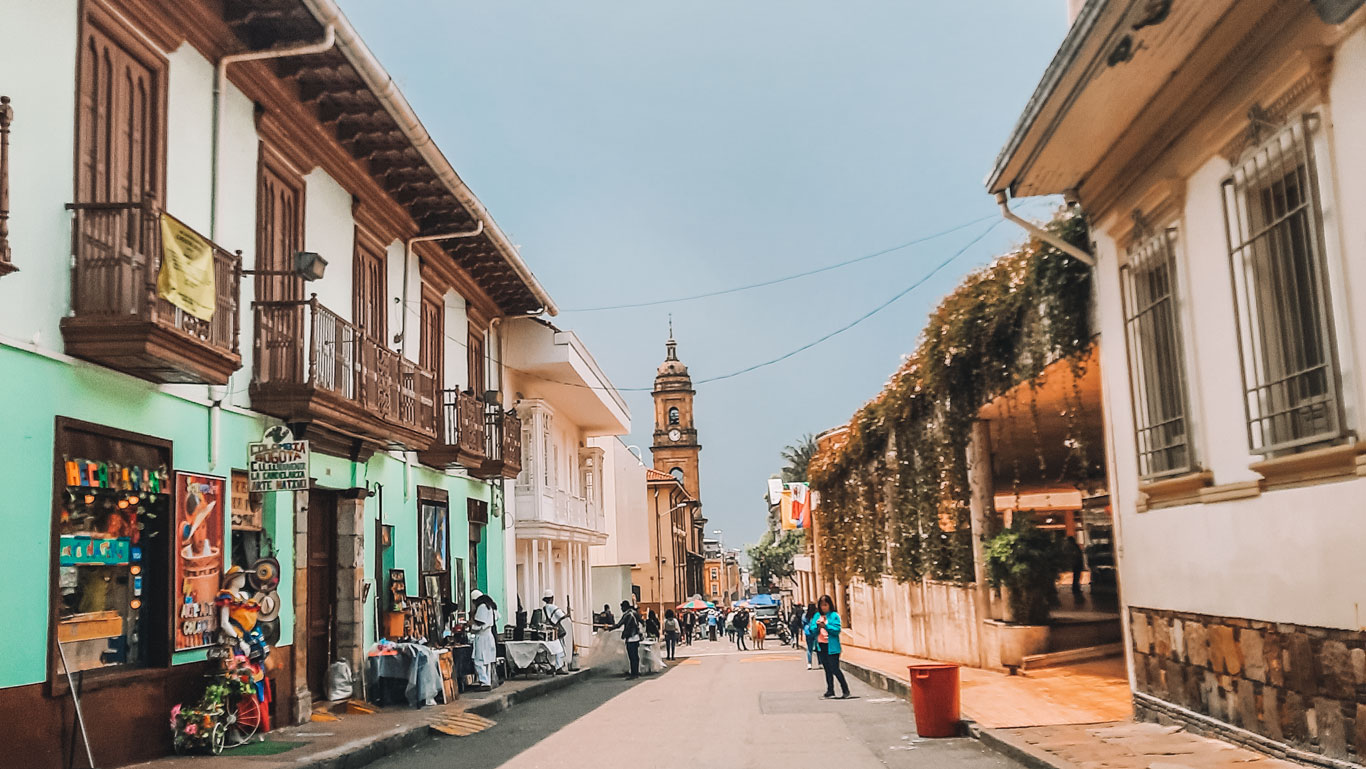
x: 671, y: 345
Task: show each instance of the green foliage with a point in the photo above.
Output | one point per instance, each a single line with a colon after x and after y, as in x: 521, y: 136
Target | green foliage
x: 1027, y: 561
x: 894, y: 492
x: 770, y: 560
x: 798, y: 457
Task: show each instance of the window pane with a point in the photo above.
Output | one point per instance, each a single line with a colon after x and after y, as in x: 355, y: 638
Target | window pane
x: 1156, y: 365
x: 1281, y: 286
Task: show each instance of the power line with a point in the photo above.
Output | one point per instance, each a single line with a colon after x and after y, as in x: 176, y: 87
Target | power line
x: 794, y: 276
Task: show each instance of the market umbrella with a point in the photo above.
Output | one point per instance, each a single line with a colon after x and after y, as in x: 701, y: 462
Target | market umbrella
x: 710, y: 605
x: 693, y: 604
x: 763, y: 599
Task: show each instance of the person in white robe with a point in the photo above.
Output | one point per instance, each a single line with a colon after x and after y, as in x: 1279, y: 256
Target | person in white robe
x: 564, y: 630
x: 483, y: 628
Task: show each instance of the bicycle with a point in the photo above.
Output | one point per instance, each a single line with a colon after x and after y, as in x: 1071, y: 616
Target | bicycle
x: 227, y: 715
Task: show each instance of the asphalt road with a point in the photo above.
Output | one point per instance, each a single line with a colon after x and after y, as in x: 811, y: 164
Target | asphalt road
x: 718, y: 709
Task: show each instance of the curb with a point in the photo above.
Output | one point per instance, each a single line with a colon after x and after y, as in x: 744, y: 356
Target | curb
x: 899, y: 688
x: 1024, y: 754
x: 354, y: 756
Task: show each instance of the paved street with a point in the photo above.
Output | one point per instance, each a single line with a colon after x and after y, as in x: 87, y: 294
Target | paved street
x: 717, y: 708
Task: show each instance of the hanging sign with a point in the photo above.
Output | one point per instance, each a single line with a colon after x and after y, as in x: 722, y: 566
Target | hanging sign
x: 198, y: 557
x: 246, y: 507
x: 278, y: 462
x: 186, y: 278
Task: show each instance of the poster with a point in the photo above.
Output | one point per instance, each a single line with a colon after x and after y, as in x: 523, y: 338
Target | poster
x: 186, y: 278
x: 434, y: 540
x: 278, y: 462
x: 198, y: 558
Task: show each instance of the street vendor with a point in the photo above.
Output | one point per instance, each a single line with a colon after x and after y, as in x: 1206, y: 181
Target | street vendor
x: 564, y: 639
x: 482, y: 630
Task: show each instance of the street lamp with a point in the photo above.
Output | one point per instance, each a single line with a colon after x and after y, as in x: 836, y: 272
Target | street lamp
x: 307, y: 265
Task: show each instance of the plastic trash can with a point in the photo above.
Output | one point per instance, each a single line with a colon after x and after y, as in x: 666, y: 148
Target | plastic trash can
x: 934, y: 698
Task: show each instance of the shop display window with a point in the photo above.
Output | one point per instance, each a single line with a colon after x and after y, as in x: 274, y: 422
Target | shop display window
x: 111, y: 516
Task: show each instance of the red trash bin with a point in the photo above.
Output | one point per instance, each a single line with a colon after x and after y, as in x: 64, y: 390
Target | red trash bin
x: 934, y: 698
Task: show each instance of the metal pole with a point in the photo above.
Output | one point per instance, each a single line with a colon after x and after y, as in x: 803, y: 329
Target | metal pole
x: 76, y: 700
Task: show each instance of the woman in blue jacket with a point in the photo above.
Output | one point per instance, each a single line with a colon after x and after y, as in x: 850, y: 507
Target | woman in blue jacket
x: 826, y: 627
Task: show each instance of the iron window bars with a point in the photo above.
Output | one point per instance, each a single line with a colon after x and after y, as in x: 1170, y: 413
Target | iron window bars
x: 1280, y: 284
x: 1157, y: 367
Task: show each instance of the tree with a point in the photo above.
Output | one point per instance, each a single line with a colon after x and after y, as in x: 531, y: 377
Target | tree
x: 770, y: 560
x: 798, y: 457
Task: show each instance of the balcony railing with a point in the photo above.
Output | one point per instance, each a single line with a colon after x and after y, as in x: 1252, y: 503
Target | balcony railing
x: 313, y: 366
x: 461, y: 433
x: 503, y: 444
x: 119, y: 319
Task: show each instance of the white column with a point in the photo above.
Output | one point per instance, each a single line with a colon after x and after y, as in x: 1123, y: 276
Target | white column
x: 533, y: 591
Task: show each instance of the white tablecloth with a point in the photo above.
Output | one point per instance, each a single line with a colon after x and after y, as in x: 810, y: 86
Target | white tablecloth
x: 523, y: 654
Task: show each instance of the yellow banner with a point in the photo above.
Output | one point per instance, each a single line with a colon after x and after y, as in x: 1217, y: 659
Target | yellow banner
x: 785, y: 509
x: 186, y: 279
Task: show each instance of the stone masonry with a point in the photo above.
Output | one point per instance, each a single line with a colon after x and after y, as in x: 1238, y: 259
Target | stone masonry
x: 1303, y: 686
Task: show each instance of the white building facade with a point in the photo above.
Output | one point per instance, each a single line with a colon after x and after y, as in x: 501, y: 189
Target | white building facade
x: 626, y: 516
x: 563, y: 400
x: 1219, y: 151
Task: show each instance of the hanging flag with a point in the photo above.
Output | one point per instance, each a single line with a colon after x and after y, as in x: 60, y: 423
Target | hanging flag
x: 785, y: 510
x: 775, y: 490
x: 801, y: 507
x: 186, y: 277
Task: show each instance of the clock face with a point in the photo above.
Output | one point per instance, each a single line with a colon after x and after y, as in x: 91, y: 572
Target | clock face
x: 674, y: 434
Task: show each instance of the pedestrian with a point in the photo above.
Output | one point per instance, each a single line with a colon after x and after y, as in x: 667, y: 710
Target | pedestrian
x: 827, y: 626
x: 795, y: 626
x: 730, y: 624
x: 711, y: 624
x: 606, y: 619
x: 810, y: 636
x: 482, y: 629
x: 672, y: 631
x: 689, y: 626
x: 759, y: 632
x: 1078, y: 560
x: 564, y: 632
x: 740, y: 624
x: 652, y: 624
x: 631, y: 635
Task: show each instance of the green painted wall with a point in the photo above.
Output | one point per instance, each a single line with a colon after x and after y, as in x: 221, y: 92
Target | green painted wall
x: 41, y: 388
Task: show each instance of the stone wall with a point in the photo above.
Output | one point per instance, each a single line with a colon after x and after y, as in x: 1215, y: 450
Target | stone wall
x: 1302, y: 686
x: 934, y: 620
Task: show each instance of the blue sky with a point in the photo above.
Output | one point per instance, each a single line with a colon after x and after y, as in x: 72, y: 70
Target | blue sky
x: 647, y: 150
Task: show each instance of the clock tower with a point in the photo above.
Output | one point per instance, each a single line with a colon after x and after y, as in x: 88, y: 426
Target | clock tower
x: 675, y: 447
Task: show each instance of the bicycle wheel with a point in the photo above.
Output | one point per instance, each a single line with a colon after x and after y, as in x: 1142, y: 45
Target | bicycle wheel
x: 217, y: 737
x: 243, y: 720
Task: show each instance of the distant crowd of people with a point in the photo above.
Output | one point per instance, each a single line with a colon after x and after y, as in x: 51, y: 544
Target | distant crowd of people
x: 818, y: 626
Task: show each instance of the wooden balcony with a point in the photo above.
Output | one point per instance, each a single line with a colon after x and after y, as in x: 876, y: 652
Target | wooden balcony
x: 117, y: 317
x: 461, y: 434
x: 335, y: 385
x: 503, y: 445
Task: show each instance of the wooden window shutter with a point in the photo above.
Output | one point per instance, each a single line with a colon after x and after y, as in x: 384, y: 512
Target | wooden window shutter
x: 433, y: 335
x: 370, y: 291
x: 120, y: 114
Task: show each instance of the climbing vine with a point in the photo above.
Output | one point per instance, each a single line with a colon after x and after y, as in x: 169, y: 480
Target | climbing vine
x: 894, y: 491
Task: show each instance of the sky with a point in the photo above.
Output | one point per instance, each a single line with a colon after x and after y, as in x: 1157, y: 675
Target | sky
x: 639, y: 151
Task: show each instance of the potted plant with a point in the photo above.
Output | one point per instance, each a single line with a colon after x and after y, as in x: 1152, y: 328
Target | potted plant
x: 1024, y: 562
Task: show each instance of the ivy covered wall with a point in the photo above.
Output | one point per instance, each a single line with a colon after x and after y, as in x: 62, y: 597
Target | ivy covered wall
x: 894, y: 493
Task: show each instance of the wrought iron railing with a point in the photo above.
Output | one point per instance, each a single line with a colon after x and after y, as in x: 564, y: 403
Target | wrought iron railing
x: 302, y: 343
x: 116, y: 250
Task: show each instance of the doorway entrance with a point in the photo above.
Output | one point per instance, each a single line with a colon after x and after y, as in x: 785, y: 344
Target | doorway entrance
x: 321, y: 611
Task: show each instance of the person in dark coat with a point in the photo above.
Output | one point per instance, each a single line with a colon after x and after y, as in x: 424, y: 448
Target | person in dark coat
x: 1078, y: 561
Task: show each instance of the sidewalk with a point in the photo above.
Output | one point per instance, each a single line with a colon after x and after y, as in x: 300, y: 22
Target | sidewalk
x: 1082, y: 693
x: 1067, y: 717
x: 354, y: 740
x: 1125, y: 745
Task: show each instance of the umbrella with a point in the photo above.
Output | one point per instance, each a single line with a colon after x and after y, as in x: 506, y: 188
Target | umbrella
x: 763, y: 599
x: 693, y: 604
x: 710, y: 605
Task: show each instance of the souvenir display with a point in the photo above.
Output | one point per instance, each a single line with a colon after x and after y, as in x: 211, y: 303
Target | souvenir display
x: 110, y: 514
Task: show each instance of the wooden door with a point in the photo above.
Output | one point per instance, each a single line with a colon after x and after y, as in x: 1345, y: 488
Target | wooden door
x: 368, y: 301
x: 431, y: 353
x: 279, y: 236
x: 475, y: 349
x: 119, y: 97
x: 321, y: 611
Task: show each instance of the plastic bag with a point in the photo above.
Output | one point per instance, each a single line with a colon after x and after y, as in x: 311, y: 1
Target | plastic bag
x: 338, y: 681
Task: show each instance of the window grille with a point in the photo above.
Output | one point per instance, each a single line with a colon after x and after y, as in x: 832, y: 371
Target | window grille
x: 1157, y: 367
x: 1280, y: 283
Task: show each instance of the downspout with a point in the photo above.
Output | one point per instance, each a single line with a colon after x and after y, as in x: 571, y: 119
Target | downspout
x: 402, y: 335
x: 220, y: 82
x: 1002, y: 199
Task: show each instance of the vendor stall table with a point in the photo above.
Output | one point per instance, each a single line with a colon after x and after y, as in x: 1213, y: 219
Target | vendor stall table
x: 524, y: 655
